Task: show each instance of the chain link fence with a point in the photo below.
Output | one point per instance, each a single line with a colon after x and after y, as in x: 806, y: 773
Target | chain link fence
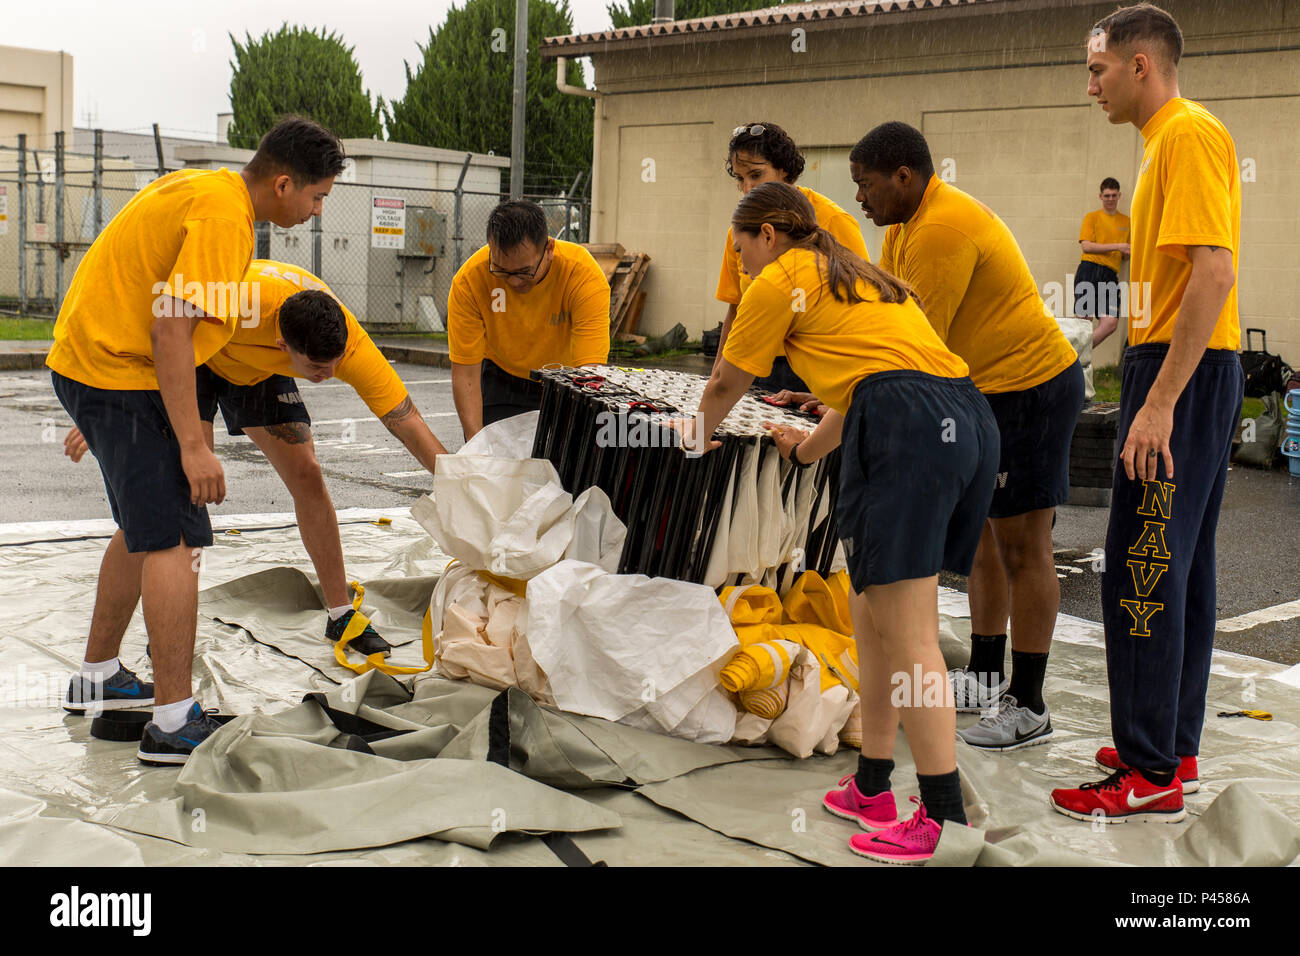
x: 388, y: 252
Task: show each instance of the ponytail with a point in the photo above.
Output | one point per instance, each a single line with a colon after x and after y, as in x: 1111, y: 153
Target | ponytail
x: 787, y: 210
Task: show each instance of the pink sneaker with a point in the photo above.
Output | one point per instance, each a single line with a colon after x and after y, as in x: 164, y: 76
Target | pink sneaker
x: 871, y: 813
x: 911, y: 842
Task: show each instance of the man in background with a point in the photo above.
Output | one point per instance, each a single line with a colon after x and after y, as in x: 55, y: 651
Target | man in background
x: 1104, y: 239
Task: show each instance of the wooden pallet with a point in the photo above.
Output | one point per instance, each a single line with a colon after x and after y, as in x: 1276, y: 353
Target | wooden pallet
x: 625, y: 272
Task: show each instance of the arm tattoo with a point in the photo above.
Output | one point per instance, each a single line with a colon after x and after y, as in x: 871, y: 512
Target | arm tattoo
x: 404, y: 410
x: 291, y: 433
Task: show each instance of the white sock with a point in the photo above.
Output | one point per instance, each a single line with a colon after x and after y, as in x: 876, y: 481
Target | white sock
x: 338, y: 612
x: 102, y: 670
x: 172, y: 717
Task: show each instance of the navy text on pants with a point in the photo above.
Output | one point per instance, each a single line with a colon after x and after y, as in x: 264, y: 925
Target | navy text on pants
x: 1158, y: 590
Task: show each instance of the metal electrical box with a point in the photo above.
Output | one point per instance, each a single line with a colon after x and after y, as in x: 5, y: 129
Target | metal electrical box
x: 426, y: 234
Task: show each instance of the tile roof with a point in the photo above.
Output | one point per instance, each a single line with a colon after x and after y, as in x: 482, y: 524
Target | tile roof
x: 794, y: 13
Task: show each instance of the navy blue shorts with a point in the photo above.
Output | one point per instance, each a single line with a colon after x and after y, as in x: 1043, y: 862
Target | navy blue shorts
x: 1096, y: 290
x: 919, y: 460
x: 1036, y: 427
x: 131, y: 438
x: 506, y: 395
x: 273, y: 401
x: 781, y: 377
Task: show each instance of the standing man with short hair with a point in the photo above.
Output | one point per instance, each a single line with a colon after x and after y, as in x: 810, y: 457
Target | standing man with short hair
x: 1104, y: 239
x: 155, y: 295
x: 522, y: 301
x: 1180, y: 404
x: 977, y: 291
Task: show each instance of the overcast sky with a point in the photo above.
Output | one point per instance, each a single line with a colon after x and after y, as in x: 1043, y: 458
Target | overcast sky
x: 137, y: 62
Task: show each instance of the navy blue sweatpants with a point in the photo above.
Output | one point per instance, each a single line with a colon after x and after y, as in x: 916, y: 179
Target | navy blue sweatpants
x: 1158, y: 586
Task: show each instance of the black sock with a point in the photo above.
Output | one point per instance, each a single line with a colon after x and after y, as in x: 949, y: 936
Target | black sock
x: 987, y: 652
x: 941, y: 794
x: 1160, y: 779
x: 1027, y: 671
x: 873, y: 775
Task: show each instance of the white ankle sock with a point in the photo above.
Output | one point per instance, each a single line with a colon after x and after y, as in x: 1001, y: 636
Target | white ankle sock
x: 338, y: 612
x: 102, y: 670
x: 171, y: 717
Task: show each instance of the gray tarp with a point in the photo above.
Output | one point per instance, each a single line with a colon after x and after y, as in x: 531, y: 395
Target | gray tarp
x: 280, y: 786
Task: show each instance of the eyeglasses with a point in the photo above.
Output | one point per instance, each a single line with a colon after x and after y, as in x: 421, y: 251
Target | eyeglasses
x: 754, y: 130
x: 521, y: 274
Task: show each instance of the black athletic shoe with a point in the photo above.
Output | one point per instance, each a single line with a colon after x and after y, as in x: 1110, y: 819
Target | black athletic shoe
x: 161, y: 749
x: 123, y: 690
x: 367, y: 642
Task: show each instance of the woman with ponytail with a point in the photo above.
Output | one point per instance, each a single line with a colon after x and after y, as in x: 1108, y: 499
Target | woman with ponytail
x: 764, y: 153
x: 920, y: 452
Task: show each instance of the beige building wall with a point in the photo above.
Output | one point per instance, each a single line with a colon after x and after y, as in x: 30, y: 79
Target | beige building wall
x: 35, y: 96
x: 1001, y: 97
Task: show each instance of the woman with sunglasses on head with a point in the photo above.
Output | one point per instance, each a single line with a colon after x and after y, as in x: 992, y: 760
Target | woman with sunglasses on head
x: 919, y: 461
x: 764, y: 153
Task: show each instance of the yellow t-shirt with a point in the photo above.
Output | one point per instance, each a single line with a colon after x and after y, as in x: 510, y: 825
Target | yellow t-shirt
x: 831, y: 345
x: 252, y: 355
x: 1188, y: 193
x: 563, y: 319
x: 977, y: 290
x: 733, y: 280
x: 188, y: 234
x: 1106, y: 230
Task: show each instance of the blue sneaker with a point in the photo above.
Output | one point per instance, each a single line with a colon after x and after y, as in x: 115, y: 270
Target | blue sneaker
x: 161, y: 749
x: 366, y: 643
x: 121, y: 691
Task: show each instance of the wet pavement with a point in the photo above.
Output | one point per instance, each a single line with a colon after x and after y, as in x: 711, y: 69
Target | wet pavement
x: 365, y: 466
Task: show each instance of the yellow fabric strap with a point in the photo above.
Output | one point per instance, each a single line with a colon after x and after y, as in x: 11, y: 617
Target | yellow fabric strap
x: 513, y: 585
x: 375, y: 661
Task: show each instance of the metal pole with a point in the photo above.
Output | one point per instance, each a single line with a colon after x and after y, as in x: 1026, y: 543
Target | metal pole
x: 456, y: 214
x: 568, y: 206
x: 520, y: 94
x: 22, y: 223
x: 40, y: 220
x: 157, y: 148
x: 58, y: 221
x: 98, y: 183
x: 315, y: 246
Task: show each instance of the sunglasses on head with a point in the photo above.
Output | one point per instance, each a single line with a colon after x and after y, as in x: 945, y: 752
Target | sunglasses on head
x: 754, y: 130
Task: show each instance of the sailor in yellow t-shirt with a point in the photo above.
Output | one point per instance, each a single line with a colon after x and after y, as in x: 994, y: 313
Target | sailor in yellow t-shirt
x: 305, y: 332
x: 978, y: 293
x: 1104, y: 239
x: 158, y: 293
x: 917, y: 470
x: 1179, y: 410
x: 764, y: 153
x: 521, y: 302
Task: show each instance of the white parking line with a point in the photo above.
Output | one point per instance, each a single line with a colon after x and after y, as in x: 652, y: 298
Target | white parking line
x: 405, y: 474
x: 1265, y: 615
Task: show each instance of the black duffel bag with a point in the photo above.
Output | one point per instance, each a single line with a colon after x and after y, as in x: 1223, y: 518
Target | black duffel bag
x: 1265, y: 373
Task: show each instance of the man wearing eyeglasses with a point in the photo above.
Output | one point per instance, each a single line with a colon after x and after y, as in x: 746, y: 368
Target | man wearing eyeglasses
x: 523, y: 301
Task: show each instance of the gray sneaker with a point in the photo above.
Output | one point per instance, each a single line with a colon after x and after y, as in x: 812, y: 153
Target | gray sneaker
x: 1011, y: 728
x: 971, y: 695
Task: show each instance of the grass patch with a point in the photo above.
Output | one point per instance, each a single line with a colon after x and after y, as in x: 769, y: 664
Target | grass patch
x: 431, y: 336
x: 26, y: 329
x: 1106, y: 381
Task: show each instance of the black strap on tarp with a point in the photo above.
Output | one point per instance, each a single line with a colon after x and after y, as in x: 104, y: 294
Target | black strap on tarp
x: 561, y: 844
x: 366, y: 731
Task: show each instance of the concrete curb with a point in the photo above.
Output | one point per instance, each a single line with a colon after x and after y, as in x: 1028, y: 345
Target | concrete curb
x: 21, y: 361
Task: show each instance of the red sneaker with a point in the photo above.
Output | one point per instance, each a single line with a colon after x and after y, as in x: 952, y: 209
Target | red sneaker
x: 1108, y: 759
x: 1124, y: 795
